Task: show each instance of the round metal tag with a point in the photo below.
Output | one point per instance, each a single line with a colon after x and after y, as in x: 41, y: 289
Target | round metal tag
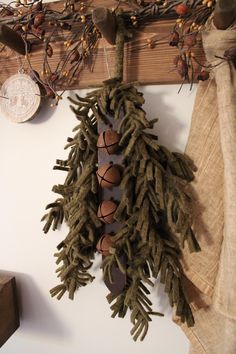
x: 20, y: 98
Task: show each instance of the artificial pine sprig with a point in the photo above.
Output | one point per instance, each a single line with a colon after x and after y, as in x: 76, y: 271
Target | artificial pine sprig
x: 154, y: 209
x: 78, y: 204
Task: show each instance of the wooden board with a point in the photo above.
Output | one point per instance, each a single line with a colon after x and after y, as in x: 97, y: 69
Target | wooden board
x: 147, y: 66
x: 9, y: 316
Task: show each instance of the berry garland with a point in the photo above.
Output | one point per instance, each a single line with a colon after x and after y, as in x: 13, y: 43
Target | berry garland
x: 154, y: 210
x: 38, y: 24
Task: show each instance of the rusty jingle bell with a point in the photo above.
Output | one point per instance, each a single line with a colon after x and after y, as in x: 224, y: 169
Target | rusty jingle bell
x: 106, y: 211
x: 108, y: 141
x: 108, y: 175
x: 104, y: 244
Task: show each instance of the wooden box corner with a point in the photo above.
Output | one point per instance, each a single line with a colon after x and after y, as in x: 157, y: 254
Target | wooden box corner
x: 9, y: 313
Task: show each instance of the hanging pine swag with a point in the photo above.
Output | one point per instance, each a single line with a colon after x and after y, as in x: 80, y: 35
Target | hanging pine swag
x: 154, y: 209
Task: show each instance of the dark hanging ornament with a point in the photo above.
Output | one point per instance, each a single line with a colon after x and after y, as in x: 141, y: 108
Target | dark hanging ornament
x: 118, y: 279
x: 104, y: 244
x: 108, y: 141
x: 108, y: 175
x: 106, y: 211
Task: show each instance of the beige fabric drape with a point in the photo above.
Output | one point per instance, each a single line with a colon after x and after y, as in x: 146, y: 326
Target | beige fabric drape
x: 212, y: 145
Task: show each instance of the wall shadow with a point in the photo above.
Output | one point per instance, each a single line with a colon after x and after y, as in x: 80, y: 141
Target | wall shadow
x: 168, y: 128
x: 45, y: 112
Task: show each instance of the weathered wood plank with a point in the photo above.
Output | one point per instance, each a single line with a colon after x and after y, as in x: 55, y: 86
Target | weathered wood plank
x: 142, y: 64
x: 9, y: 316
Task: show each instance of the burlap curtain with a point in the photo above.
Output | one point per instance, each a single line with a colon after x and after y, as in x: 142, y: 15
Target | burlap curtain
x: 212, y: 145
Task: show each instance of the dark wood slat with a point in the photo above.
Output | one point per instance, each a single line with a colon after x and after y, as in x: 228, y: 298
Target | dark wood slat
x: 147, y: 66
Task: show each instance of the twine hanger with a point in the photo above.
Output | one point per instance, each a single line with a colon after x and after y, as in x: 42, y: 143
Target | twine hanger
x: 106, y: 57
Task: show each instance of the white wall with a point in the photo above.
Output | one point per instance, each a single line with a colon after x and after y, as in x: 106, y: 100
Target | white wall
x: 82, y: 326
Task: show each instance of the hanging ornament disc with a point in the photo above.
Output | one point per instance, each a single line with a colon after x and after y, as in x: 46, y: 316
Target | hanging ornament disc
x: 20, y: 98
